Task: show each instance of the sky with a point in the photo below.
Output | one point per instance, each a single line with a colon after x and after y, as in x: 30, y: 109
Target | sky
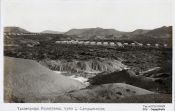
x: 63, y: 15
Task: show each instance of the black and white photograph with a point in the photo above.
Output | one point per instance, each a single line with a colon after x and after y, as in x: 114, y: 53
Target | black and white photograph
x: 87, y: 51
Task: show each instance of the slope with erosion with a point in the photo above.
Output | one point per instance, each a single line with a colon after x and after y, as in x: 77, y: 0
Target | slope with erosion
x: 84, y: 68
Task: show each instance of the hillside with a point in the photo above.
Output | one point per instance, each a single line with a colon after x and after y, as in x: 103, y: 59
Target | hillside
x: 107, y: 93
x: 162, y: 33
x: 95, y: 33
x: 28, y: 81
x: 15, y: 30
x: 158, y: 33
x: 51, y: 32
x: 159, y: 83
x: 139, y: 32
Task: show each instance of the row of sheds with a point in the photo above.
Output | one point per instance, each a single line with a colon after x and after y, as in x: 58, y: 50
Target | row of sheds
x: 109, y: 43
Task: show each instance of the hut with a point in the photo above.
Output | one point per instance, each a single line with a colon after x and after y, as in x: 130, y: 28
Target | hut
x: 63, y: 42
x: 80, y: 42
x: 148, y: 45
x: 119, y: 44
x: 99, y: 43
x: 58, y: 42
x: 165, y: 45
x: 92, y: 43
x: 86, y: 43
x: 125, y: 44
x: 133, y: 44
x: 140, y: 45
x: 74, y: 42
x: 105, y: 43
x: 112, y: 44
x: 68, y: 42
x: 156, y: 45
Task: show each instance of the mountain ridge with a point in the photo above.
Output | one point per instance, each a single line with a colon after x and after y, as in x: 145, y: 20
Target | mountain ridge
x: 52, y: 32
x: 164, y: 32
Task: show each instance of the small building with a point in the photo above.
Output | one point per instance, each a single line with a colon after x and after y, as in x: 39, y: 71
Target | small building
x: 156, y: 45
x: 165, y: 45
x: 74, y: 42
x: 68, y: 42
x: 86, y: 43
x: 99, y: 43
x: 133, y: 44
x: 92, y: 43
x: 58, y: 42
x: 125, y: 44
x: 140, y: 45
x: 112, y: 44
x: 30, y: 45
x: 119, y: 44
x: 80, y: 42
x: 105, y: 43
x: 148, y: 45
x: 63, y: 42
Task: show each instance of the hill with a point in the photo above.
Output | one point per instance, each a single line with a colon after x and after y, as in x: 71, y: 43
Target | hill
x: 139, y: 31
x: 51, y: 32
x: 162, y: 32
x: 100, y: 33
x: 159, y: 83
x: 158, y: 35
x: 95, y: 33
x: 15, y: 30
x: 107, y: 93
x: 28, y: 81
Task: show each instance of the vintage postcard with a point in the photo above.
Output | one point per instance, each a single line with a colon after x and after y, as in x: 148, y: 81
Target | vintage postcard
x: 87, y: 55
